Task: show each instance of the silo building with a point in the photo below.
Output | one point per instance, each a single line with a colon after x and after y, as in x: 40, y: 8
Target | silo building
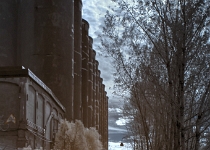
x: 78, y: 60
x: 85, y: 68
x: 60, y: 77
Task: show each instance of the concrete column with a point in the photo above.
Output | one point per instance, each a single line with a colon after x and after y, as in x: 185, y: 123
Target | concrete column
x: 90, y: 83
x: 100, y: 107
x: 45, y: 45
x: 105, y: 120
x: 77, y: 59
x: 97, y: 97
x: 103, y: 113
x: 94, y: 90
x: 85, y: 68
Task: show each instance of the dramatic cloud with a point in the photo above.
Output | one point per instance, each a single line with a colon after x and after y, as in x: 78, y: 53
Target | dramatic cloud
x: 94, y: 12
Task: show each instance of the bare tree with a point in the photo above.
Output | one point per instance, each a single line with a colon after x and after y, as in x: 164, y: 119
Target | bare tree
x: 161, y: 52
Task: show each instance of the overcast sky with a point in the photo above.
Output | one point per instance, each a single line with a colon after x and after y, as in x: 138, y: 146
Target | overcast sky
x: 94, y: 12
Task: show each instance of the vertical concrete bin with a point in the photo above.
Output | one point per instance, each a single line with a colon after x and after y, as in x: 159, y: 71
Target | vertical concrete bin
x: 100, y: 106
x: 77, y: 59
x: 45, y: 45
x: 90, y: 83
x: 95, y: 67
x: 85, y: 68
x: 103, y: 113
x: 97, y: 98
x: 106, y: 125
x: 39, y: 35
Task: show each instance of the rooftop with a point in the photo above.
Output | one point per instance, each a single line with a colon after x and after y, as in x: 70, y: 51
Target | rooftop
x: 20, y: 71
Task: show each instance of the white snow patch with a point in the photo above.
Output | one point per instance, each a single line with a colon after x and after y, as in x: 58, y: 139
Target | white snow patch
x: 121, y: 122
x: 116, y: 146
x: 118, y: 110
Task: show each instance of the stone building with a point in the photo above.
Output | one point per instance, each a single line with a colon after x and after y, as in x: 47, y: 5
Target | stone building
x: 51, y: 39
x: 29, y: 110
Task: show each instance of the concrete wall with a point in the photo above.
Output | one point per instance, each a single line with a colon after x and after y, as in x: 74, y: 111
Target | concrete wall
x: 10, y: 103
x: 53, y: 53
x: 45, y: 115
x: 39, y: 35
x: 90, y: 83
x: 95, y: 65
x: 77, y: 59
x: 8, y: 32
x: 85, y: 68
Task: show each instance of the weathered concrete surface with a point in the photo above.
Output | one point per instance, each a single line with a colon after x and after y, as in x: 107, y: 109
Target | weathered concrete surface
x: 85, y: 68
x: 77, y: 59
x: 90, y: 83
x: 8, y: 32
x: 39, y: 35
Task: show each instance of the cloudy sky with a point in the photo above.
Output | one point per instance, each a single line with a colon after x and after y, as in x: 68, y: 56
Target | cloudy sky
x: 94, y: 12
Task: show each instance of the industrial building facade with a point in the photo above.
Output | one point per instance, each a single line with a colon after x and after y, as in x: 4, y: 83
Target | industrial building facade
x: 50, y: 38
x: 29, y: 110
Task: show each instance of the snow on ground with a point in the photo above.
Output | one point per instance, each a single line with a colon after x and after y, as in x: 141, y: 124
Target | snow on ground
x: 116, y: 146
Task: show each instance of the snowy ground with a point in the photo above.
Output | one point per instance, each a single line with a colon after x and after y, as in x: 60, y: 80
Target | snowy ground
x: 116, y: 146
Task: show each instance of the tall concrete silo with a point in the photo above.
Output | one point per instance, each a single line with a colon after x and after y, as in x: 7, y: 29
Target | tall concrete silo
x: 105, y: 118
x: 85, y: 68
x: 77, y: 59
x: 39, y: 35
x: 90, y: 83
x: 102, y: 113
x: 95, y: 63
x: 106, y: 122
x: 97, y: 98
x: 100, y: 106
x: 53, y: 56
